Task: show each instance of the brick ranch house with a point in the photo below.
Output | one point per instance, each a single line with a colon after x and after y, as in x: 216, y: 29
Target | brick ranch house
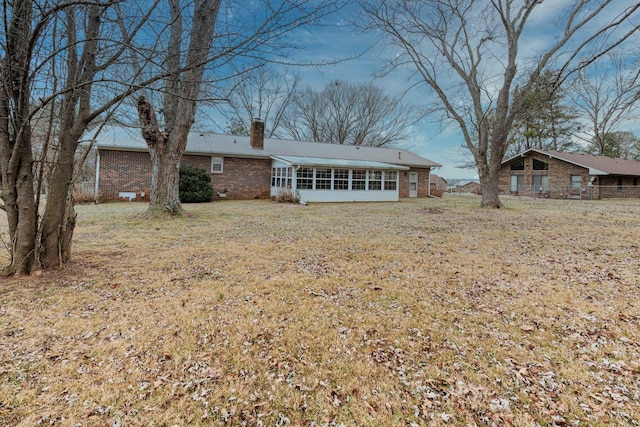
x: 468, y: 186
x: 259, y: 168
x: 437, y: 183
x: 565, y: 175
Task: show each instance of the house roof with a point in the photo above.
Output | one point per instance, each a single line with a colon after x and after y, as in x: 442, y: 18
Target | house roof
x: 466, y: 182
x: 597, y: 165
x: 336, y: 163
x: 239, y: 146
x: 435, y: 178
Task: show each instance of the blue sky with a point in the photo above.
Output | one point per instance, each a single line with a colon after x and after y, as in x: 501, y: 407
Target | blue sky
x: 344, y: 41
x: 429, y: 138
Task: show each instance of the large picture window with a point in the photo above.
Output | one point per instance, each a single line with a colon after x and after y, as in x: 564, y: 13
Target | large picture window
x: 335, y: 179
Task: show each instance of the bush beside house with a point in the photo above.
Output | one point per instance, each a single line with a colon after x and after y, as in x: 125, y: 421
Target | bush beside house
x: 195, y: 185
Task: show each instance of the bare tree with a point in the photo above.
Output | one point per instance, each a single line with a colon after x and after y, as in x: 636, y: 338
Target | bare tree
x: 56, y: 59
x: 263, y: 93
x: 348, y: 113
x: 468, y: 52
x: 607, y: 95
x: 259, y: 36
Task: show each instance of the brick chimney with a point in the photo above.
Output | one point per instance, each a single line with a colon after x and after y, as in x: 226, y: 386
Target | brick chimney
x: 257, y: 134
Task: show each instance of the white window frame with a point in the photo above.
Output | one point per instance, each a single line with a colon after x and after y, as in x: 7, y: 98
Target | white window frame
x: 575, y: 182
x: 542, y: 186
x: 217, y: 160
x: 390, y: 180
x: 513, y: 183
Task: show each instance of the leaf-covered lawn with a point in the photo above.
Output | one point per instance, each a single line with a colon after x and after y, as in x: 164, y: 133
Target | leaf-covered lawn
x: 424, y: 312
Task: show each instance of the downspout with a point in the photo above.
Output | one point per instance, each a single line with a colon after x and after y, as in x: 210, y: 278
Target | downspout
x: 97, y: 180
x: 429, y: 183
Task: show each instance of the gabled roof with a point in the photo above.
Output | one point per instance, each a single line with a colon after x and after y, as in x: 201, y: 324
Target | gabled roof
x: 435, y: 178
x: 597, y: 165
x: 467, y: 182
x: 239, y: 146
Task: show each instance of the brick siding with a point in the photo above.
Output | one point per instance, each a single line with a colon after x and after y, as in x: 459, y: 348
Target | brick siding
x: 241, y: 178
x: 130, y: 171
x: 423, y: 182
x: 560, y: 181
x: 559, y: 174
x: 610, y: 187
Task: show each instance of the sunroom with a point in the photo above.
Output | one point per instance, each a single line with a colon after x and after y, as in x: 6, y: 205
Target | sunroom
x: 314, y: 179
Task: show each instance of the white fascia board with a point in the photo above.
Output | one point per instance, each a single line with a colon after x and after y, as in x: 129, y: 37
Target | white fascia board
x: 593, y: 171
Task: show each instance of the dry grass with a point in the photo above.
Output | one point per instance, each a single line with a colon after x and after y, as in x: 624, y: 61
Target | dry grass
x: 427, y: 312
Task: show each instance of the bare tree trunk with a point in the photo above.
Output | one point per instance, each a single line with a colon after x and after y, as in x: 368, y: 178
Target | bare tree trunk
x: 166, y: 148
x: 15, y: 142
x: 166, y: 173
x: 19, y: 203
x: 490, y: 189
x: 58, y: 219
x: 165, y: 163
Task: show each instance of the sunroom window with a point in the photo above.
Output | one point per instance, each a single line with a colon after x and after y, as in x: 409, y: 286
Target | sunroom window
x: 390, y: 180
x: 375, y: 180
x: 341, y: 179
x: 359, y: 180
x: 323, y: 179
x: 305, y: 179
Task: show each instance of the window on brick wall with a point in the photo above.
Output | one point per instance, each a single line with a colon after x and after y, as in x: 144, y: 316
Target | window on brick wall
x: 539, y: 165
x: 540, y: 183
x: 217, y: 164
x: 576, y: 182
x: 516, y: 183
x: 517, y: 166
